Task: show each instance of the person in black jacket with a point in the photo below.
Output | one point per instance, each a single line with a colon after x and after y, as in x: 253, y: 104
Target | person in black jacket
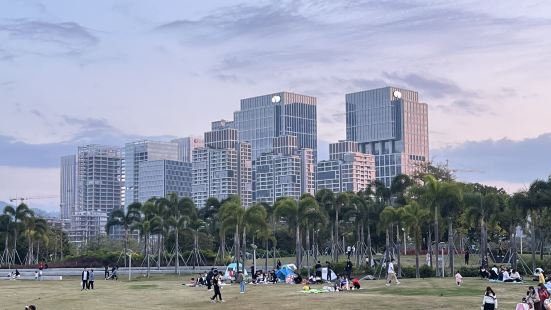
x: 348, y: 269
x: 317, y: 267
x: 216, y: 283
x: 209, y: 278
x: 85, y: 277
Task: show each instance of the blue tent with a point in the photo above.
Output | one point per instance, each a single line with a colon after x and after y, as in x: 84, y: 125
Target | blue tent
x: 283, y: 273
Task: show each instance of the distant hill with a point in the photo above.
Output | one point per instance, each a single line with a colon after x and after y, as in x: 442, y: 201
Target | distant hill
x: 45, y: 214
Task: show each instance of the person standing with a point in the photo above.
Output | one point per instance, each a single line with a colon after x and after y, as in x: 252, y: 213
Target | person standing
x: 91, y: 279
x: 458, y: 278
x: 489, y: 301
x: 391, y: 273
x: 216, y: 284
x: 318, y: 269
x: 210, y: 274
x: 84, y: 277
x: 328, y: 276
x: 106, y: 272
x: 278, y: 265
x: 348, y: 269
x: 241, y: 282
x: 467, y: 255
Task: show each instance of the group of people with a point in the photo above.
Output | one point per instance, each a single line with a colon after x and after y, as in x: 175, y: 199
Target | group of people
x: 500, y: 274
x: 87, y: 278
x: 537, y: 298
x: 114, y: 272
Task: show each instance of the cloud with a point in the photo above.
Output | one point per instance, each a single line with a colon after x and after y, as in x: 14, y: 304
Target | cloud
x: 506, y: 160
x: 46, y: 38
x: 431, y: 87
x: 60, y: 33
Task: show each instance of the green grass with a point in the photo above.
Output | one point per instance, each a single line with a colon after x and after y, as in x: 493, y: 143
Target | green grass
x: 166, y: 292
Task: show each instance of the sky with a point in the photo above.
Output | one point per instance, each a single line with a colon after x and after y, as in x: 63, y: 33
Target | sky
x: 113, y: 71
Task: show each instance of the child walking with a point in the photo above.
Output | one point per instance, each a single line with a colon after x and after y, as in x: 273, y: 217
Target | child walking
x: 458, y: 279
x: 216, y: 284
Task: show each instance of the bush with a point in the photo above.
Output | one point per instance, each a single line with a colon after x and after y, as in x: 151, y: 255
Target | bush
x: 468, y: 271
x: 408, y: 272
x: 426, y: 272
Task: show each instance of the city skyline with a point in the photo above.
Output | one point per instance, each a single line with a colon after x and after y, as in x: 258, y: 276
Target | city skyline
x: 67, y: 79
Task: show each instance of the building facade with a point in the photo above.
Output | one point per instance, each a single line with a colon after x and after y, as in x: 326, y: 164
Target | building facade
x: 158, y: 178
x: 222, y: 168
x: 263, y: 118
x: 391, y: 124
x: 186, y: 147
x: 99, y: 175
x: 143, y: 151
x: 68, y: 186
x: 347, y: 170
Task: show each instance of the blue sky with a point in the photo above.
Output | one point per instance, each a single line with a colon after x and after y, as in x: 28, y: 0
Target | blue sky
x: 74, y: 72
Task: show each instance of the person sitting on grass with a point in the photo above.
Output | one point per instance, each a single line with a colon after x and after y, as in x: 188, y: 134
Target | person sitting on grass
x: 483, y: 273
x: 514, y: 276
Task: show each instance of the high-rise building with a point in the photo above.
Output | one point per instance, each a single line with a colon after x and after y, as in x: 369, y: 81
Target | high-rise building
x: 222, y: 168
x: 158, y: 178
x: 186, y: 147
x: 347, y: 170
x: 391, y: 124
x: 263, y: 118
x: 99, y: 174
x: 68, y: 186
x: 143, y: 151
x: 285, y: 172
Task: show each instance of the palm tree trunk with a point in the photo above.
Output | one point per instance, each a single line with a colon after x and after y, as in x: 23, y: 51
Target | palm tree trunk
x: 266, y: 256
x: 387, y: 245
x: 297, y: 246
x: 223, y: 246
x: 369, y: 250
x: 429, y: 246
x: 483, y: 250
x: 159, y: 251
x: 125, y: 245
x: 450, y: 246
x: 337, y: 248
x: 542, y: 239
x: 533, y: 247
x: 436, y: 239
x: 237, y: 248
x: 333, y: 248
x: 417, y: 250
x: 308, y: 249
x: 513, y: 247
x: 147, y: 254
x: 177, y: 247
x: 358, y: 238
x: 398, y: 249
x: 244, y: 250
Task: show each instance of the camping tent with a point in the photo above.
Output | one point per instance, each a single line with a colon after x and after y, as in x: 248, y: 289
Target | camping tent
x: 293, y: 267
x: 324, y: 274
x: 229, y: 273
x: 283, y: 273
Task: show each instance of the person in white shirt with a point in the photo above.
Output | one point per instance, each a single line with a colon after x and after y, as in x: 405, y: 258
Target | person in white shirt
x: 391, y: 273
x: 506, y: 276
x: 514, y: 277
x: 489, y: 301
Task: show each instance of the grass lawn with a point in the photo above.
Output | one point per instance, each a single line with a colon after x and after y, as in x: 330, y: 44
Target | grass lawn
x: 166, y: 292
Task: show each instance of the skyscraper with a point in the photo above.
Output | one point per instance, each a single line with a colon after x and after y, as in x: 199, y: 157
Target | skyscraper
x: 158, y: 178
x: 263, y: 118
x: 186, y: 147
x: 222, y: 168
x: 68, y: 186
x: 99, y: 173
x: 143, y: 151
x: 347, y: 170
x: 284, y: 172
x: 391, y: 124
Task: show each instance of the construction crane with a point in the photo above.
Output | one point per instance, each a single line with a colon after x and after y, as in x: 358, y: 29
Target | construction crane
x: 23, y: 199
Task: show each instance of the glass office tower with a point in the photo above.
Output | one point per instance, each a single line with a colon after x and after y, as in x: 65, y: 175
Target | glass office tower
x: 263, y: 118
x: 391, y: 124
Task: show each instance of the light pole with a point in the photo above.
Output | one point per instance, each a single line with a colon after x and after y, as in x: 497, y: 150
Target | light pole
x: 254, y: 258
x: 129, y: 254
x: 405, y: 244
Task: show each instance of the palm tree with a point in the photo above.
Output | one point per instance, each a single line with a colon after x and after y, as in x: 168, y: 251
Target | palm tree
x: 19, y: 214
x: 232, y: 214
x: 391, y: 216
x: 7, y: 221
x: 434, y: 192
x: 326, y: 200
x: 451, y: 204
x: 415, y: 217
x: 481, y: 206
x: 125, y: 220
x: 180, y: 212
x: 288, y: 209
x: 33, y: 228
x: 512, y: 217
x: 309, y: 214
x: 149, y: 223
x: 342, y: 202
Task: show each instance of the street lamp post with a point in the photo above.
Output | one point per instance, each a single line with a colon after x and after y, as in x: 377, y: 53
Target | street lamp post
x: 129, y: 254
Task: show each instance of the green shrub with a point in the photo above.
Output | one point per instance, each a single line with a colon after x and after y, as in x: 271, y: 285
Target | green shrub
x: 426, y: 272
x: 408, y: 272
x: 468, y: 271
